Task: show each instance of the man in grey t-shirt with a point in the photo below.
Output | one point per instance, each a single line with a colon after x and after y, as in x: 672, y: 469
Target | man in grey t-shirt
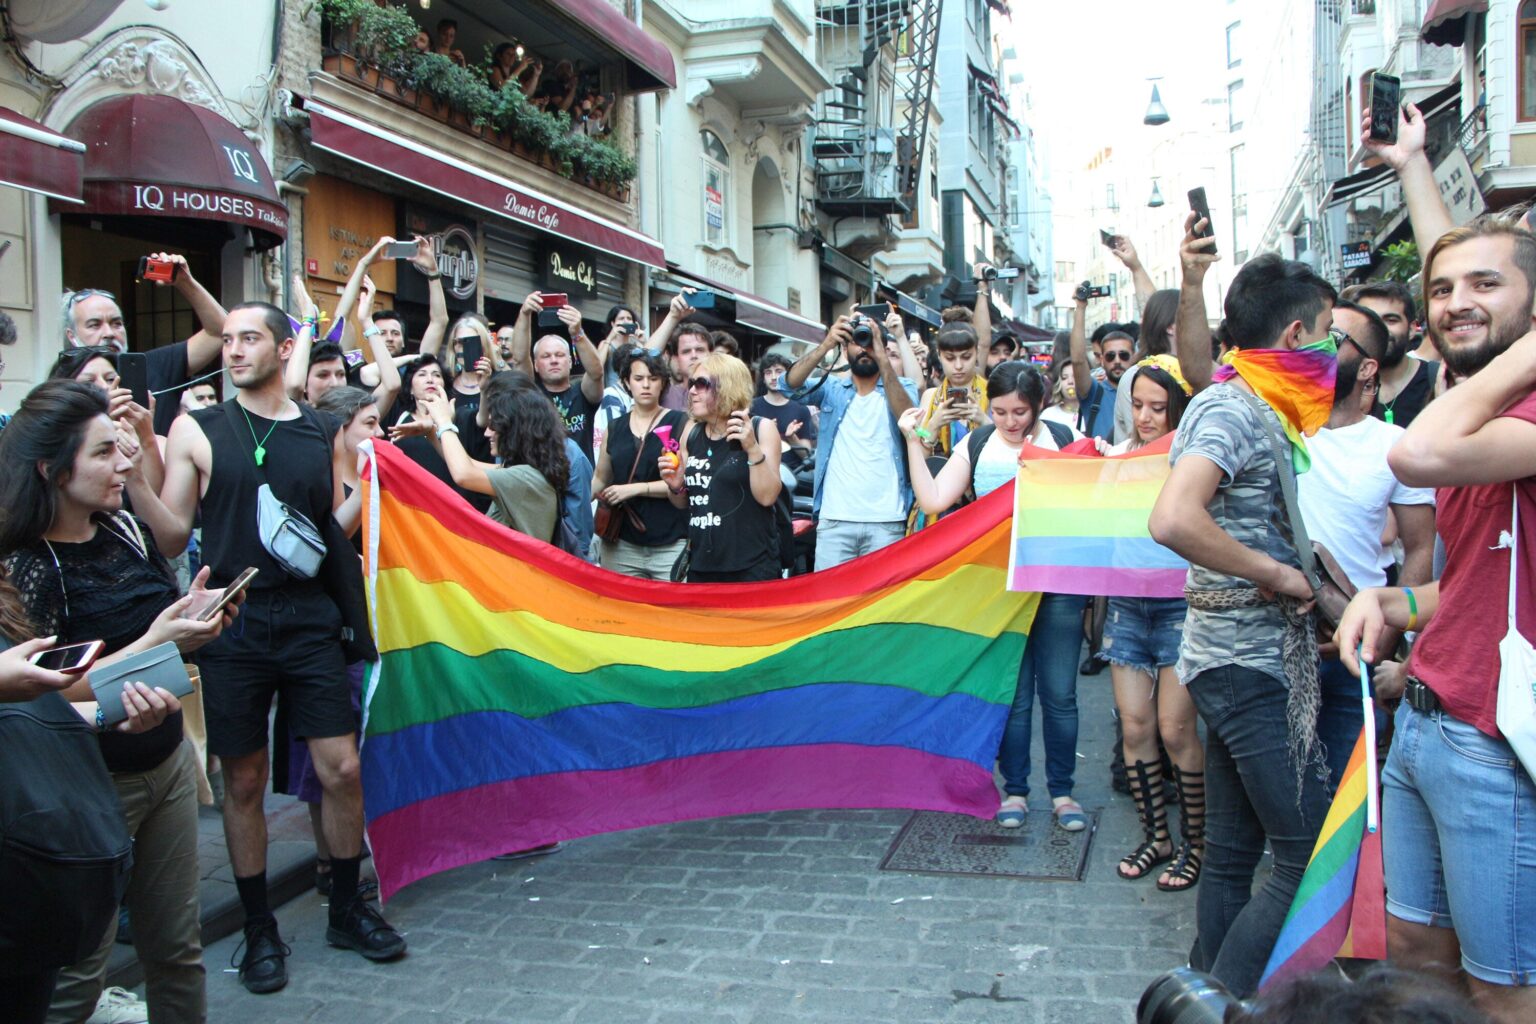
x: 1222, y: 508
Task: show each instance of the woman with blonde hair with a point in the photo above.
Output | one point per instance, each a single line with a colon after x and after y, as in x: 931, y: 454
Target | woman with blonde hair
x: 729, y: 480
x: 465, y: 389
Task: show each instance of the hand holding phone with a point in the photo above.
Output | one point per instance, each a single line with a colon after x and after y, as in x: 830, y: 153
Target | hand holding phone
x: 400, y: 250
x: 1107, y: 238
x: 71, y: 659
x: 151, y: 269
x: 133, y: 374
x: 222, y: 599
x: 1386, y: 97
x: 1202, y: 211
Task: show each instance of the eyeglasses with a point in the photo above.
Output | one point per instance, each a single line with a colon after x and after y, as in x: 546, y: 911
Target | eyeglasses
x: 1116, y: 357
x: 701, y: 384
x: 1343, y: 338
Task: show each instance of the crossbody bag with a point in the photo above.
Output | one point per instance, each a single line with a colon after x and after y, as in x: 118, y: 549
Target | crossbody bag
x: 293, y: 541
x: 609, y: 519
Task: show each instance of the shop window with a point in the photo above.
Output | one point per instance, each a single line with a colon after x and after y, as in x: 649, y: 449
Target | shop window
x: 1526, y: 41
x: 717, y: 188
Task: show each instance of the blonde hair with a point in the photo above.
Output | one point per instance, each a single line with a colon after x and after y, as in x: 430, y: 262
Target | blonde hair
x: 733, y: 382
x: 477, y: 326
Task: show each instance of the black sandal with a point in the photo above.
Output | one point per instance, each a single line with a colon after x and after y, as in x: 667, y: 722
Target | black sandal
x: 1147, y: 790
x: 1185, y: 870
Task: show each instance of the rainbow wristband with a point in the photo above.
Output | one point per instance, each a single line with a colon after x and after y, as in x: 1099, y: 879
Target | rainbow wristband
x: 1413, y: 610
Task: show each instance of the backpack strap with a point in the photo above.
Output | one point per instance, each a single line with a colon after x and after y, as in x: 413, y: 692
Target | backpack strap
x: 975, y: 441
x: 1060, y: 433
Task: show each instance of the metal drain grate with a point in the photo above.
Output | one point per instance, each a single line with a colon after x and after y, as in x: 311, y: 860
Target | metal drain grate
x: 957, y: 844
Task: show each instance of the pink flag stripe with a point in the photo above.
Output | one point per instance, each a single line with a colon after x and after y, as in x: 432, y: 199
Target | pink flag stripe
x: 472, y: 825
x: 1101, y: 579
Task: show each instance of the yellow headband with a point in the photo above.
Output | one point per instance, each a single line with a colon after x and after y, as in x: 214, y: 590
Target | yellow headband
x: 1169, y: 365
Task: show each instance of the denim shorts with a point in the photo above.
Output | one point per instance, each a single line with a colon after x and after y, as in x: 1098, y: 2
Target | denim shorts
x: 1144, y: 632
x: 1459, y: 842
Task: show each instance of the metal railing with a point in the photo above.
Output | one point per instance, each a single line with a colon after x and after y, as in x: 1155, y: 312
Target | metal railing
x: 1474, y: 129
x: 1362, y: 8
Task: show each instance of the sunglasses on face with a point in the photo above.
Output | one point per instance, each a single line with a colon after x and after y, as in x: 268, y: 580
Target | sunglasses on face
x: 1343, y: 338
x: 701, y: 384
x: 1116, y: 357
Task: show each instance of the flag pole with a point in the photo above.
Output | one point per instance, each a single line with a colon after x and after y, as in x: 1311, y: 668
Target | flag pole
x: 1368, y: 700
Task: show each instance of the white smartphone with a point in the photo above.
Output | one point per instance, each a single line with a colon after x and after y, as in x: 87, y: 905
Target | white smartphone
x: 71, y: 659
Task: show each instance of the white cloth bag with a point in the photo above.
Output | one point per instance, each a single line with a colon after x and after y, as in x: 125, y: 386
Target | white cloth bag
x: 1516, y: 714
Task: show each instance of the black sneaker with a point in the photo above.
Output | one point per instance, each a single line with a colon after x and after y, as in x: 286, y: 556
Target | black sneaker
x: 364, y: 929
x: 264, y: 967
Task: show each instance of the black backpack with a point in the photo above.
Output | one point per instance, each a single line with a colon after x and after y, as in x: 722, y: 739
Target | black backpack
x: 64, y: 847
x: 977, y: 439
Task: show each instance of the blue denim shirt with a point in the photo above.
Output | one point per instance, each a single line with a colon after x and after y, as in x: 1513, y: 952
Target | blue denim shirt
x: 576, y: 502
x: 832, y: 396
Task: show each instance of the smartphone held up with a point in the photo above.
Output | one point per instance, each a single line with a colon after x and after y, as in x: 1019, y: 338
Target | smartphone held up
x: 1386, y: 98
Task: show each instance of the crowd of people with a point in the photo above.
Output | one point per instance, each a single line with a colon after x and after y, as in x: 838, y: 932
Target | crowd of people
x: 1313, y: 444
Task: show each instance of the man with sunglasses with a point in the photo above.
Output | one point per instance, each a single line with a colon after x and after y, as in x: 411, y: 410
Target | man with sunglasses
x: 92, y: 317
x: 1096, y: 398
x: 1345, y: 497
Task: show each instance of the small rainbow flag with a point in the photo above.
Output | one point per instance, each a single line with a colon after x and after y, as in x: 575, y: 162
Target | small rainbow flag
x: 1340, y: 908
x: 1080, y: 525
x: 524, y: 696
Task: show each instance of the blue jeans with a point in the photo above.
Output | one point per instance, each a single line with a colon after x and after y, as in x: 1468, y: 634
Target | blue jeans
x: 1251, y: 796
x: 1459, y: 843
x: 1049, y: 665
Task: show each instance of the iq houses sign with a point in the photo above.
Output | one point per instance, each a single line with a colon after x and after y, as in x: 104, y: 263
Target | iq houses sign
x: 149, y: 199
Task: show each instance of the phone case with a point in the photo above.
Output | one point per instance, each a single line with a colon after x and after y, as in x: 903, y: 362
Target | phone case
x: 157, y: 667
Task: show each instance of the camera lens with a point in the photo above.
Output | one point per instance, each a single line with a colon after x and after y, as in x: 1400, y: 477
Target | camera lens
x: 1185, y: 996
x: 862, y: 335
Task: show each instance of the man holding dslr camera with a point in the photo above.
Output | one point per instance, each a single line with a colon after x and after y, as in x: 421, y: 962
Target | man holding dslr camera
x: 862, y: 489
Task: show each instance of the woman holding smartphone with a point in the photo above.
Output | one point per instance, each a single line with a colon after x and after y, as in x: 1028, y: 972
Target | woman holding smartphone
x: 730, y: 480
x: 88, y: 571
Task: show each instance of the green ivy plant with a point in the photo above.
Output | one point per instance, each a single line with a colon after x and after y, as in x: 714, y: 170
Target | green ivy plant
x: 384, y: 37
x: 1402, y: 261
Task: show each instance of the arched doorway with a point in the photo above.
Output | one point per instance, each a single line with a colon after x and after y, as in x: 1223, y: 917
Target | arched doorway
x: 773, y: 240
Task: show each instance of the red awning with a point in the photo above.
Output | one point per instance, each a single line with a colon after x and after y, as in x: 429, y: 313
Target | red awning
x: 758, y: 313
x: 39, y: 159
x: 650, y: 62
x: 156, y: 156
x: 1445, y: 23
x: 441, y: 172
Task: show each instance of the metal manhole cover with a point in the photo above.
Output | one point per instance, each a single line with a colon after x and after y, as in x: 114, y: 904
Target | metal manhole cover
x: 957, y: 844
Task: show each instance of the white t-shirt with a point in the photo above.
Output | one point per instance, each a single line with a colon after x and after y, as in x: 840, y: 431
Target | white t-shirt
x: 1344, y: 496
x: 1060, y: 415
x: 999, y: 461
x: 861, y: 484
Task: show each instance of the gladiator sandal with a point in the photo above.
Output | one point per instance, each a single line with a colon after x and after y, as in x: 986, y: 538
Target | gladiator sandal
x: 1147, y: 790
x: 1184, y: 872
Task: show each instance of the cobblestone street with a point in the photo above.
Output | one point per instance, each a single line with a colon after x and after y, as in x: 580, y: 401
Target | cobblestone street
x: 768, y: 918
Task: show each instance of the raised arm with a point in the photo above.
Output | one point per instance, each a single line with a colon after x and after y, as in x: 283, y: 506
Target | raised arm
x: 1460, y: 439
x: 208, y: 343
x: 591, y: 362
x: 1082, y: 373
x: 522, y: 333
x: 388, y: 383
x: 1125, y: 252
x: 981, y: 313
x: 425, y: 261
x: 296, y: 369
x: 896, y: 395
x: 894, y: 326
x: 354, y: 286
x: 1426, y: 210
x: 933, y: 496
x: 837, y: 335
x: 677, y: 311
x: 1192, y: 329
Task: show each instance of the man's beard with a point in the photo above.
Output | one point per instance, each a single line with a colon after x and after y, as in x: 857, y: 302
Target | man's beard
x: 1462, y: 361
x: 864, y: 366
x: 1397, y: 351
x: 1344, y: 382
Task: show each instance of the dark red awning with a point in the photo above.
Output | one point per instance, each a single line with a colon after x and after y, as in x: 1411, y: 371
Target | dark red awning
x: 1445, y: 23
x: 39, y: 159
x: 355, y: 139
x: 156, y: 156
x: 650, y: 61
x: 757, y: 312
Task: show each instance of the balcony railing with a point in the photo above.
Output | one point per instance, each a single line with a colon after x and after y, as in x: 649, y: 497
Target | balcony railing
x: 374, y: 47
x: 1474, y: 129
x: 1362, y: 8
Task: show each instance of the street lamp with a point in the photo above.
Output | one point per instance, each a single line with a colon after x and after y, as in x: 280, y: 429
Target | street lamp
x: 1156, y: 113
x: 1156, y: 199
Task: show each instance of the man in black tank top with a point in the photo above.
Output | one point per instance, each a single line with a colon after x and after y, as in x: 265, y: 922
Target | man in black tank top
x: 291, y: 641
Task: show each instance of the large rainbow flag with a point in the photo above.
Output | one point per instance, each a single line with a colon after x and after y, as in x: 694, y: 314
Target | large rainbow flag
x: 1340, y: 908
x: 1080, y: 525
x: 524, y: 696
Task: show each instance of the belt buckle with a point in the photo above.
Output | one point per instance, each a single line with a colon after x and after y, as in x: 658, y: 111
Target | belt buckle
x: 1420, y: 697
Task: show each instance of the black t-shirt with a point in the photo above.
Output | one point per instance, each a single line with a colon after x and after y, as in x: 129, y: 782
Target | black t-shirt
x: 664, y: 522
x: 103, y: 589
x: 577, y: 413
x: 421, y: 451
x: 784, y: 415
x: 728, y: 529
x: 167, y: 370
x: 297, y: 465
x: 1410, y: 401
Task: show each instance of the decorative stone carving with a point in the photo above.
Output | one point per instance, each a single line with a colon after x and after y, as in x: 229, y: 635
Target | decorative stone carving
x: 137, y: 59
x: 155, y: 66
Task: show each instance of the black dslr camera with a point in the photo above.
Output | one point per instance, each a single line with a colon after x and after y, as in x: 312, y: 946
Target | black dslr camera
x: 863, y: 330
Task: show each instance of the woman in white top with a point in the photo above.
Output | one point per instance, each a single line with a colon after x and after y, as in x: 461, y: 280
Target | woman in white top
x: 1015, y: 394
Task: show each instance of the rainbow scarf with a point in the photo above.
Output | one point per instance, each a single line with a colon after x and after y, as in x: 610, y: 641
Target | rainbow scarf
x: 1340, y: 907
x: 524, y: 696
x: 1297, y: 384
x: 1080, y: 525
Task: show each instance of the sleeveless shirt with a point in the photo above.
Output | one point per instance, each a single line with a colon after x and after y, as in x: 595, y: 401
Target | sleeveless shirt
x: 664, y: 522
x: 728, y: 529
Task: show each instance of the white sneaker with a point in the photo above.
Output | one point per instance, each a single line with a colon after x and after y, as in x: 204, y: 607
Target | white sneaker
x: 119, y: 1006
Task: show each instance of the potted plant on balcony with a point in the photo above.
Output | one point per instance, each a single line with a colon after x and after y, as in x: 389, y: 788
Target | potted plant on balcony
x: 369, y: 39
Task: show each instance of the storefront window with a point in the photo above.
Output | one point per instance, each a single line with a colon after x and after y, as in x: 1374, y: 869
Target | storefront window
x: 717, y: 187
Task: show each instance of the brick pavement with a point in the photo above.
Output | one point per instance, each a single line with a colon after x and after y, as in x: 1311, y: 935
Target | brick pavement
x: 761, y: 919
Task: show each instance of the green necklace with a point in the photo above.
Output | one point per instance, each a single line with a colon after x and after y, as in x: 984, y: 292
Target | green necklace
x: 261, y: 446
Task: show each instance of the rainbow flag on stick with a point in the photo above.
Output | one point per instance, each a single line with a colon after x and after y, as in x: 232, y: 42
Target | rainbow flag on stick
x: 1080, y: 525
x: 1340, y: 908
x: 524, y: 696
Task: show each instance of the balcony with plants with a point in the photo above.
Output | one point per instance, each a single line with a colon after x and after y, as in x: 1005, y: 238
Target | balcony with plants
x: 376, y: 48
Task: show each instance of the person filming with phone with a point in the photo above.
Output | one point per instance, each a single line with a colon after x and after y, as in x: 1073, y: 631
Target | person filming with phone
x: 548, y: 362
x: 87, y: 570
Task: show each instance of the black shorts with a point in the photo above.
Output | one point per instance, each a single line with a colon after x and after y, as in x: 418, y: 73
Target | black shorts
x: 285, y: 641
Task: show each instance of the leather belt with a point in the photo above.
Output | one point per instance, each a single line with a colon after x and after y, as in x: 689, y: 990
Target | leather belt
x: 1420, y: 697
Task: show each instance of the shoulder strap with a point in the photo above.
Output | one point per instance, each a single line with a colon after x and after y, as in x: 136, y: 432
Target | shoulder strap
x: 1060, y: 433
x: 640, y: 445
x: 975, y: 441
x: 1287, y: 474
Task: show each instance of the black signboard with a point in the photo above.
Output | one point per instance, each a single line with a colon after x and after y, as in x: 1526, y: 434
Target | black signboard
x: 1356, y: 254
x: 568, y: 268
x: 458, y: 257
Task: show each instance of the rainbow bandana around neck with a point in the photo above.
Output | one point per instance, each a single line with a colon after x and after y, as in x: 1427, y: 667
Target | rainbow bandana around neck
x: 1297, y: 383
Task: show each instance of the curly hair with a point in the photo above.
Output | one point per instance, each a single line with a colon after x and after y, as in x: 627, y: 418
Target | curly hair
x: 529, y: 432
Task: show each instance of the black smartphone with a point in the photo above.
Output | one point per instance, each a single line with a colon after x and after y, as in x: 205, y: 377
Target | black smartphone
x: 877, y: 311
x: 1108, y: 238
x: 1202, y: 211
x: 1386, y: 96
x: 133, y: 374
x: 473, y: 351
